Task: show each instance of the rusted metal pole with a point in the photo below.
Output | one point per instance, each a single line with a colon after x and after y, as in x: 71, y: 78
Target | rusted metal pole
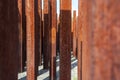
x: 65, y: 39
x: 86, y: 25
x: 31, y: 56
x: 58, y: 35
x: 81, y: 7
x: 101, y: 50
x: 46, y: 50
x: 9, y: 40
x: 24, y: 40
x: 74, y: 34
x: 21, y: 66
x: 40, y: 14
x: 42, y: 33
x: 37, y: 31
x: 53, y: 21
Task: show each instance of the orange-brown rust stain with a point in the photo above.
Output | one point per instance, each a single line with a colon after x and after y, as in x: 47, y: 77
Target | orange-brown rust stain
x: 101, y: 41
x: 53, y: 31
x: 74, y: 34
x: 31, y: 68
x: 106, y: 40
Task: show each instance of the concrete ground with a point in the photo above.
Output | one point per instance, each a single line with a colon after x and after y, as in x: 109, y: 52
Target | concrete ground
x: 44, y: 74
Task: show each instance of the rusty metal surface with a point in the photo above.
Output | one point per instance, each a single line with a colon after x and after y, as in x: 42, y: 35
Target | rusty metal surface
x: 9, y: 40
x: 46, y: 46
x: 31, y: 56
x: 65, y: 39
x: 74, y: 34
x: 24, y: 40
x: 58, y: 34
x: 101, y: 40
x: 21, y: 65
x: 40, y: 14
x: 53, y: 18
x: 79, y: 35
x: 107, y: 45
x: 86, y: 53
x: 37, y: 31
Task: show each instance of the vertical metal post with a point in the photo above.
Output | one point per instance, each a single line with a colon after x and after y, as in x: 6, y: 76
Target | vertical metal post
x: 74, y: 34
x: 24, y: 40
x: 58, y: 35
x: 9, y: 40
x: 65, y: 39
x: 31, y: 56
x: 21, y: 66
x: 101, y: 49
x: 40, y: 15
x: 46, y: 50
x: 37, y: 31
x: 53, y: 18
x: 86, y: 26
x: 80, y: 36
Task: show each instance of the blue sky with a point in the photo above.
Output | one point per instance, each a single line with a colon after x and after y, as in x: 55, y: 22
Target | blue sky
x: 74, y: 5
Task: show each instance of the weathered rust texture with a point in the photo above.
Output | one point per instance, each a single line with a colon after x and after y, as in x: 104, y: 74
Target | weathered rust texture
x: 37, y: 31
x: 58, y: 35
x: 79, y: 37
x: 65, y: 39
x: 101, y: 41
x: 41, y: 58
x: 46, y: 50
x: 53, y: 18
x: 86, y: 26
x: 42, y: 33
x: 74, y: 34
x: 77, y: 31
x: 31, y: 56
x: 9, y: 40
x: 24, y: 40
x: 40, y: 14
x: 106, y: 47
x: 21, y: 65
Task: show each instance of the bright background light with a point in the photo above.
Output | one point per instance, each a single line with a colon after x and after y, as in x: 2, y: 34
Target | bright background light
x: 74, y: 6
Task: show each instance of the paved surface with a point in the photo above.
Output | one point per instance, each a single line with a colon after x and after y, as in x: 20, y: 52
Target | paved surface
x: 44, y: 74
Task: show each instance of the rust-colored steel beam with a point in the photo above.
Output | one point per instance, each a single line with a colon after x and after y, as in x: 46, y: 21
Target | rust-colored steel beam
x: 40, y: 14
x: 46, y: 50
x: 53, y: 18
x: 101, y: 41
x: 37, y: 31
x: 31, y: 56
x: 9, y: 40
x: 77, y: 31
x: 86, y: 25
x: 81, y: 7
x: 24, y: 40
x: 74, y: 34
x: 65, y: 39
x: 42, y: 30
x: 42, y: 35
x: 58, y: 35
x: 21, y: 65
